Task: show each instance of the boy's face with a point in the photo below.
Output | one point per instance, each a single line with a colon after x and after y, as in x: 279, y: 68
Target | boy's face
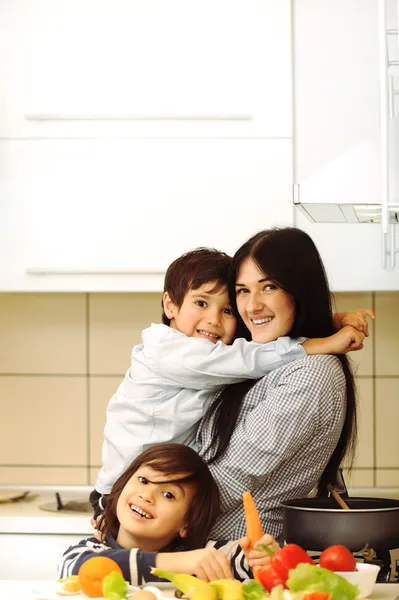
x: 203, y: 314
x: 151, y: 511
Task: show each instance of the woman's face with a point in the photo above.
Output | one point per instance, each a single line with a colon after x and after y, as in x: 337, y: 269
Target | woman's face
x: 267, y: 311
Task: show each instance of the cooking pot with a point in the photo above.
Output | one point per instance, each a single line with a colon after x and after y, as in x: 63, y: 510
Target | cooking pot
x: 316, y: 523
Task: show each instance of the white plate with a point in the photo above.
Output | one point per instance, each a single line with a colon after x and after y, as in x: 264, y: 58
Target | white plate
x: 48, y: 591
x: 162, y: 585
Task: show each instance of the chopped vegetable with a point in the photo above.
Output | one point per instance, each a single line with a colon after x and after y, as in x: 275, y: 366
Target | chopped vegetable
x: 337, y: 558
x: 114, y: 586
x: 253, y: 590
x: 316, y: 596
x: 269, y: 577
x: 309, y: 578
x: 276, y: 571
x: 288, y: 558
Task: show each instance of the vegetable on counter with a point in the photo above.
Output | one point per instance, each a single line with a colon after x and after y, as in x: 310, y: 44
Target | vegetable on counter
x: 281, y: 562
x: 337, y: 558
x: 253, y: 590
x: 114, y: 586
x: 310, y: 578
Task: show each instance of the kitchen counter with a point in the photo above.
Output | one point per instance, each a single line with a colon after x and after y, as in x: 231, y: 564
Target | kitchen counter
x: 22, y: 590
x: 25, y: 516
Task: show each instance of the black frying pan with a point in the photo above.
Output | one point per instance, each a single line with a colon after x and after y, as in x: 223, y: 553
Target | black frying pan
x: 316, y: 523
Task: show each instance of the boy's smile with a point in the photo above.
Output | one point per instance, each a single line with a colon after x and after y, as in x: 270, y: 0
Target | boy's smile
x: 203, y: 313
x: 152, y: 509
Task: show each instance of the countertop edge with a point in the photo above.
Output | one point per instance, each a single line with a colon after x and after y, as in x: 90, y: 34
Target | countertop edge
x: 45, y: 525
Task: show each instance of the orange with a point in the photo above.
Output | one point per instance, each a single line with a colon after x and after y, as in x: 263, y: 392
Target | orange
x: 92, y: 573
x: 69, y: 586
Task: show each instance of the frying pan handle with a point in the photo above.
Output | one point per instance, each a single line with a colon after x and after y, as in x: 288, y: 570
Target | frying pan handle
x: 338, y: 483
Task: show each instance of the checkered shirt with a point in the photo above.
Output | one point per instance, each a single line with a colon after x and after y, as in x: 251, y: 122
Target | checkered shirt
x: 287, y: 429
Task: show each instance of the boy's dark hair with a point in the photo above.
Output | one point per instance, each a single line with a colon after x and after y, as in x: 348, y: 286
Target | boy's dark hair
x: 192, y: 270
x: 173, y: 459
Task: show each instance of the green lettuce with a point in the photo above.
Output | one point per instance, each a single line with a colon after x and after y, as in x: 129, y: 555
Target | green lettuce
x: 114, y: 586
x: 254, y: 591
x: 310, y: 578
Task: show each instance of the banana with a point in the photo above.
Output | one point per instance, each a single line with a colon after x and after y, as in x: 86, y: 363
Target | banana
x: 228, y: 589
x: 194, y: 588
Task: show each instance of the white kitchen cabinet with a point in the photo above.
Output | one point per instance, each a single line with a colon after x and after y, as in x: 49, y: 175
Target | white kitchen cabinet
x: 111, y: 215
x: 33, y: 556
x: 145, y: 68
x: 336, y: 96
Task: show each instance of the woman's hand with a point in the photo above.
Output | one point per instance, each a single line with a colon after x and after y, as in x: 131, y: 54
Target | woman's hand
x: 208, y: 564
x: 259, y: 557
x: 356, y: 318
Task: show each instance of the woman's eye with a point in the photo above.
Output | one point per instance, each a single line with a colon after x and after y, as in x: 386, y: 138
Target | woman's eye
x: 241, y: 291
x: 143, y: 480
x: 201, y: 303
x: 270, y: 287
x: 169, y: 495
x: 228, y: 311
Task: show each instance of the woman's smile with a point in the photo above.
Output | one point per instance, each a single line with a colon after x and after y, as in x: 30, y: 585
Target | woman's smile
x: 267, y: 310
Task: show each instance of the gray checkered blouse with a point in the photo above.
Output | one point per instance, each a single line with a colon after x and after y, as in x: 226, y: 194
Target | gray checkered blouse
x: 287, y: 429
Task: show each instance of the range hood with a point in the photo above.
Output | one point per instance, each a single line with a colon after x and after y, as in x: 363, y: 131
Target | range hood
x: 349, y: 189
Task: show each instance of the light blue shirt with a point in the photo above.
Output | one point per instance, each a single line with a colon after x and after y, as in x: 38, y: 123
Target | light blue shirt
x: 166, y: 391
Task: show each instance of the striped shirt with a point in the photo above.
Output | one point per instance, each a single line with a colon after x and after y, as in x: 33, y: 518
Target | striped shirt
x: 136, y: 564
x: 288, y: 426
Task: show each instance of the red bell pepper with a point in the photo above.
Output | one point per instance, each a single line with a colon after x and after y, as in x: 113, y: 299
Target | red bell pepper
x: 276, y: 571
x: 268, y: 577
x: 316, y: 596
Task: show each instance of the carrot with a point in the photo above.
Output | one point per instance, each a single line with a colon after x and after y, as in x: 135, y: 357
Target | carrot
x: 254, y: 526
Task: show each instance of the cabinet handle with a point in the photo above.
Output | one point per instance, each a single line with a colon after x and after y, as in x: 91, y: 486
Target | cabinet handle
x: 384, y: 118
x: 160, y: 117
x: 73, y: 271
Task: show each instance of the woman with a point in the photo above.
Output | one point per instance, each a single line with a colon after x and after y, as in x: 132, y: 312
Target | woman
x: 287, y: 433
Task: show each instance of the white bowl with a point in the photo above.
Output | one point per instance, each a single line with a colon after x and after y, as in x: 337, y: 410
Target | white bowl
x: 364, y: 577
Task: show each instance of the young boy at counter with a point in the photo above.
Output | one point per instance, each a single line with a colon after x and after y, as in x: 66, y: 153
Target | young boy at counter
x: 159, y: 514
x: 181, y: 363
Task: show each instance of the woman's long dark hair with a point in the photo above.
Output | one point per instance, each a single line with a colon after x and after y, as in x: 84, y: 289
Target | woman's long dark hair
x: 289, y: 258
x: 173, y: 459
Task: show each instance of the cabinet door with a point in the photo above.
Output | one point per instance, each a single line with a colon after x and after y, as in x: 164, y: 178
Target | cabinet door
x: 126, y: 208
x: 336, y: 91
x: 134, y: 68
x: 39, y: 555
x: 336, y: 106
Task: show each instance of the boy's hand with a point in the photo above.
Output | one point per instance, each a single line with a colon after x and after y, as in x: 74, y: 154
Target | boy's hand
x: 258, y: 557
x: 356, y: 318
x: 208, y: 564
x: 346, y: 339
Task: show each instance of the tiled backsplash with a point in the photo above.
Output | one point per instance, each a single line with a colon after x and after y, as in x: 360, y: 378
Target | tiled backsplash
x: 62, y: 357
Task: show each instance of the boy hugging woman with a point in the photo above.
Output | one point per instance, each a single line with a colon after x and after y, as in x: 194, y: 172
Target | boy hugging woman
x: 155, y: 500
